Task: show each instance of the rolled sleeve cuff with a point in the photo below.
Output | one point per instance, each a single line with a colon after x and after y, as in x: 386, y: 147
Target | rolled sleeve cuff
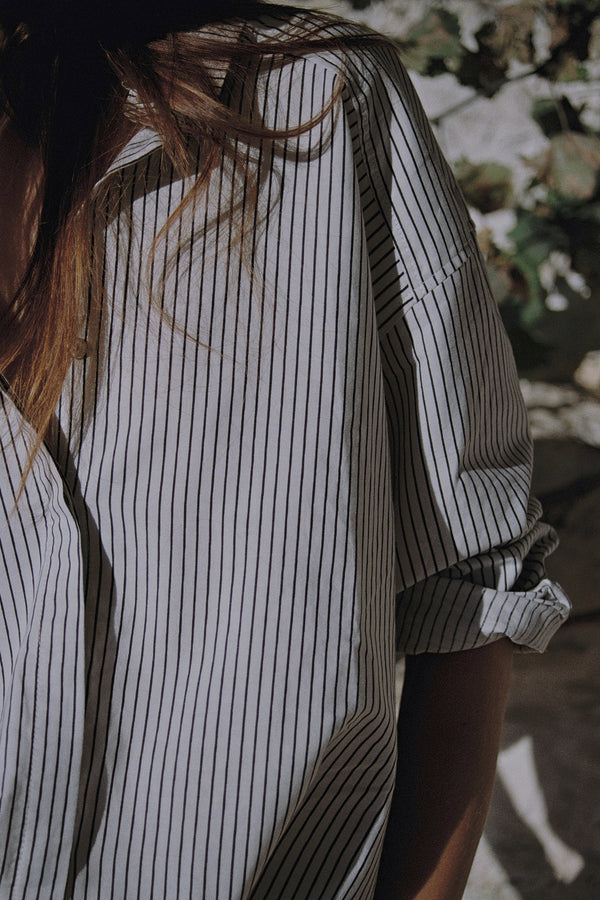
x: 443, y: 614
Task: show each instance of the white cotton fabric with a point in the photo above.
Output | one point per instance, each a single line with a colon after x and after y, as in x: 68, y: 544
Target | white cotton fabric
x: 199, y: 585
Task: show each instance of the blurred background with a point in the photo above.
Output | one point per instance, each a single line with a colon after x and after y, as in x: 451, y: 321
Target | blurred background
x: 513, y: 92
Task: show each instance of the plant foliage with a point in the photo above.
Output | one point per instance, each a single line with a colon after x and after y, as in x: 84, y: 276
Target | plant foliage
x: 557, y: 215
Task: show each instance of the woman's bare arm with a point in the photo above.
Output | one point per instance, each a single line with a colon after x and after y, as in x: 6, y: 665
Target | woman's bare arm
x: 449, y: 732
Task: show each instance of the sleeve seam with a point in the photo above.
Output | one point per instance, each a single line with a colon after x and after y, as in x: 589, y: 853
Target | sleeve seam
x: 426, y: 287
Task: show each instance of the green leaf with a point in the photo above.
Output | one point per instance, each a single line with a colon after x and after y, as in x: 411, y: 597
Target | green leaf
x: 571, y: 165
x: 482, y: 71
x: 487, y: 186
x: 583, y: 228
x: 553, y: 116
x: 594, y: 44
x: 568, y: 68
x: 590, y: 213
x: 510, y: 34
x: 500, y: 283
x: 591, y: 6
x: 433, y: 41
x: 534, y: 238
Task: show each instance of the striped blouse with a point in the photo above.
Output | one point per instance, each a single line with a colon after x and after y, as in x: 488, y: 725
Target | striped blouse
x: 275, y: 466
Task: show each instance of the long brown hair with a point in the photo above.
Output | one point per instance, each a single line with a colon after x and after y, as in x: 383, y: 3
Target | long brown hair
x: 66, y: 70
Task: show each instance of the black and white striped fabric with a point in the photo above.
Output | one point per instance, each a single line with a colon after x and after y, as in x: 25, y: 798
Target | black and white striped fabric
x: 272, y: 464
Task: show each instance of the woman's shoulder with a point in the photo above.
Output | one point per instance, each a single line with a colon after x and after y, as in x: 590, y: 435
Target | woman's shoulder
x: 363, y: 57
x: 377, y: 87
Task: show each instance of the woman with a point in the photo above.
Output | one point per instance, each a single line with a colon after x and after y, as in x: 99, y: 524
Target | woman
x: 256, y: 403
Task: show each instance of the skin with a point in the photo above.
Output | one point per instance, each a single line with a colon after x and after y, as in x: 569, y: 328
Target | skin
x: 449, y: 731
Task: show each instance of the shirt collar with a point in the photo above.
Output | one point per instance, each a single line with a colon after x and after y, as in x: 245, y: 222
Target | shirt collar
x: 141, y: 144
x: 147, y: 140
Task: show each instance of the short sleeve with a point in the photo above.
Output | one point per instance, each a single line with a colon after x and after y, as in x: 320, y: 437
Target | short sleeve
x: 470, y: 546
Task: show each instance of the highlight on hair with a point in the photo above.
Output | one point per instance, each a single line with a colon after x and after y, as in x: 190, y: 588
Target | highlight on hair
x: 67, y: 72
